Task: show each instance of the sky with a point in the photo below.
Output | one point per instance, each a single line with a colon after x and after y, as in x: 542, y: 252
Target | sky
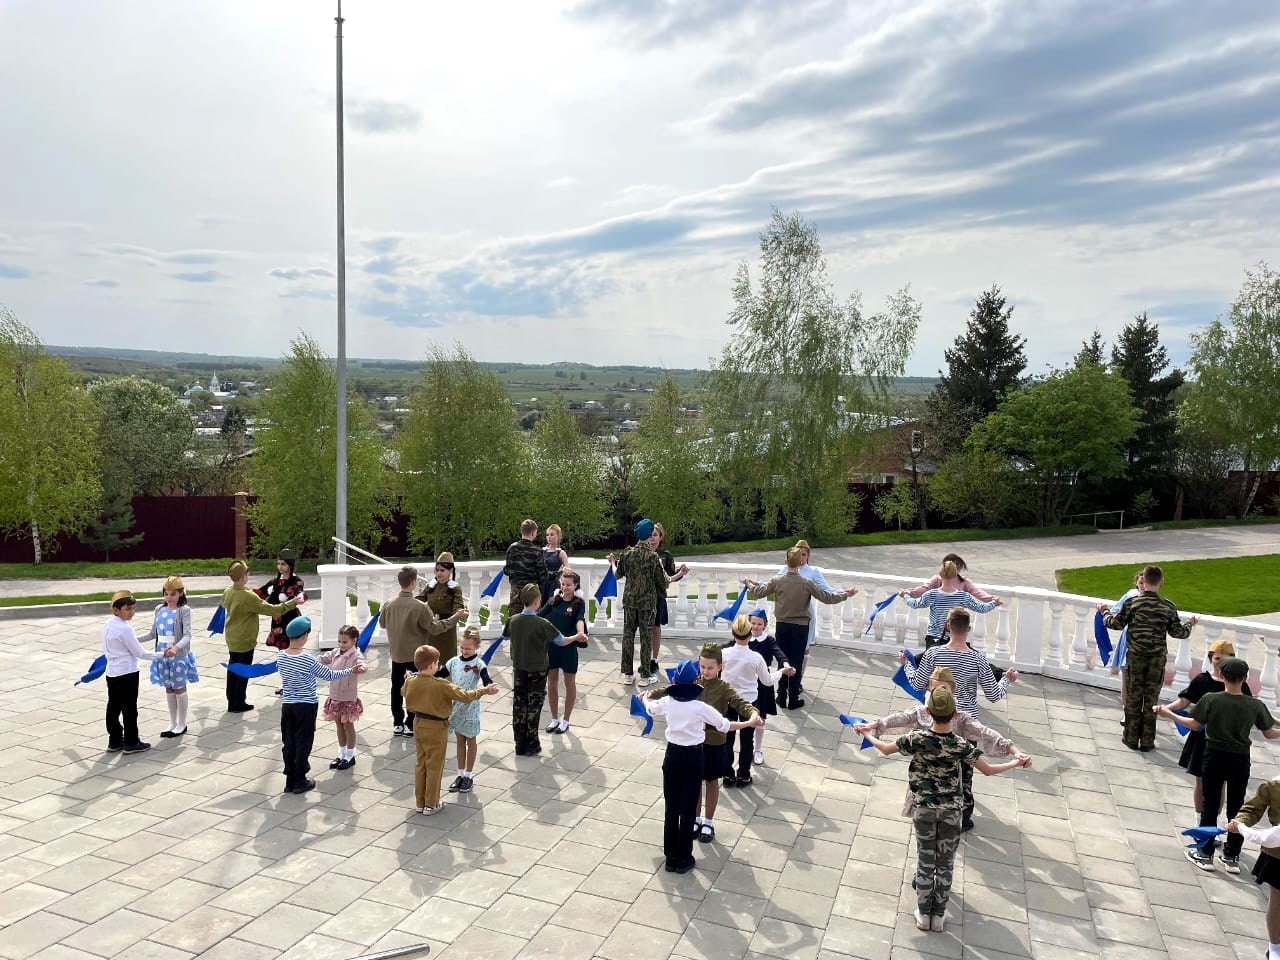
x: 579, y: 181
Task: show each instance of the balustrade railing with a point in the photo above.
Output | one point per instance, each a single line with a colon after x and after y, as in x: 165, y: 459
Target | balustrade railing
x: 1037, y: 631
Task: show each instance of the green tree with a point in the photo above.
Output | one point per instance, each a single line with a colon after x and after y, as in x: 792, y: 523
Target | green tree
x: 669, y: 480
x: 1073, y: 423
x: 48, y: 471
x: 982, y: 488
x: 144, y: 434
x: 1142, y: 360
x: 1201, y: 464
x: 1236, y: 366
x: 294, y: 468
x: 985, y: 361
x: 1092, y: 350
x: 464, y: 464
x: 110, y: 531
x: 566, y: 485
x: 802, y: 384
x: 898, y: 505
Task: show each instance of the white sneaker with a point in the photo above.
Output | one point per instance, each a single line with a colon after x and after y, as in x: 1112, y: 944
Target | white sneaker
x: 648, y: 681
x: 758, y: 759
x: 398, y: 729
x: 923, y: 922
x: 432, y: 811
x: 937, y: 923
x: 628, y: 678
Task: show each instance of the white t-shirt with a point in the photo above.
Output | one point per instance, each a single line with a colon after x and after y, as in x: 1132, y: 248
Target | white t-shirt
x: 744, y: 668
x: 122, y: 649
x: 687, y: 720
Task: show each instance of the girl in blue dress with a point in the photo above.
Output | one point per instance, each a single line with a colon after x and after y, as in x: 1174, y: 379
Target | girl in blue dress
x: 171, y: 634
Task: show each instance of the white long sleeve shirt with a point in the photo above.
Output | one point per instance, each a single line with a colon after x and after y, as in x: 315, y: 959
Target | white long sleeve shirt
x: 121, y: 647
x: 687, y: 720
x: 744, y: 668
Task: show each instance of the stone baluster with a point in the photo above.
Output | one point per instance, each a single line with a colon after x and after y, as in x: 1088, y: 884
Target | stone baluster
x: 364, y: 593
x: 1054, y: 656
x: 1002, y: 652
x: 908, y: 625
x: 473, y: 597
x: 848, y: 619
x: 1182, y: 664
x: 978, y: 638
x: 701, y: 613
x: 1029, y: 636
x: 680, y: 609
x: 1080, y: 642
x: 1267, y: 678
x: 333, y: 597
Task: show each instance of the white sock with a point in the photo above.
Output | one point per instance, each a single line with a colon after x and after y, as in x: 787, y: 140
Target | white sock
x: 172, y: 699
x: 706, y: 822
x: 759, y: 739
x: 468, y: 774
x: 348, y: 753
x: 564, y: 725
x: 697, y: 823
x: 183, y: 699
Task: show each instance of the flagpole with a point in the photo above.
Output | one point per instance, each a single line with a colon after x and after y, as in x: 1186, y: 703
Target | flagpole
x: 340, y: 517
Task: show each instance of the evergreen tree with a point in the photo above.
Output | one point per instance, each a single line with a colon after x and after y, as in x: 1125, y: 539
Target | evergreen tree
x: 984, y: 362
x: 1091, y: 350
x: 1142, y: 360
x: 111, y: 530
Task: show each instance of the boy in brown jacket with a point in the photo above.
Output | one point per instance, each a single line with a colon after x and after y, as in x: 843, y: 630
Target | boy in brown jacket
x: 429, y: 700
x: 409, y: 623
x: 1266, y: 869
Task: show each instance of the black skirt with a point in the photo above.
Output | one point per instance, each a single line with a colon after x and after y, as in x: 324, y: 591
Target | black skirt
x: 715, y: 761
x: 766, y: 700
x: 1192, y: 757
x: 1266, y: 869
x: 660, y: 616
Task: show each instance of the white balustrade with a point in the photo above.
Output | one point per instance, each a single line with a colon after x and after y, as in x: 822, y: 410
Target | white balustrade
x: 1028, y: 631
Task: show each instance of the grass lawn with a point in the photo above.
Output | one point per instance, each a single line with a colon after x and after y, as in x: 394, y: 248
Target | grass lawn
x: 1229, y: 587
x: 137, y: 568
x: 45, y: 600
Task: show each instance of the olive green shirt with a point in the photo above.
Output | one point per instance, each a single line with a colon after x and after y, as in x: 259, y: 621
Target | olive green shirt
x: 243, y: 608
x: 1229, y: 719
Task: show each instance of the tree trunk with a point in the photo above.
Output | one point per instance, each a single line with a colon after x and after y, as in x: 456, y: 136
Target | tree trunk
x: 35, y: 539
x: 1248, y: 499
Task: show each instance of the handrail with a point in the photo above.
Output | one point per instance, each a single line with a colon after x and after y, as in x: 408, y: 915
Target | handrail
x: 352, y: 546
x: 1037, y: 631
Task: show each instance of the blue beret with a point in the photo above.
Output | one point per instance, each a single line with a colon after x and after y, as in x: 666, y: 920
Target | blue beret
x: 297, y: 627
x: 759, y: 612
x: 644, y: 529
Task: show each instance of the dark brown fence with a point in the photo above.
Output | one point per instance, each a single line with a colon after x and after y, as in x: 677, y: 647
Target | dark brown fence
x: 175, y: 528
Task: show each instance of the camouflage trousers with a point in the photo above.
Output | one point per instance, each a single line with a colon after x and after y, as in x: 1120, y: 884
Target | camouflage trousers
x: 633, y: 619
x: 527, y: 695
x: 937, y: 837
x: 1143, y: 678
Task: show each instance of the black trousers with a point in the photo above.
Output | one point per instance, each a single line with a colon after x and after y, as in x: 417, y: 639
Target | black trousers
x: 237, y: 687
x: 746, y: 744
x: 681, y: 788
x: 793, y: 638
x: 122, y: 709
x: 1223, y: 770
x: 297, y: 734
x: 528, y: 693
x: 398, y: 672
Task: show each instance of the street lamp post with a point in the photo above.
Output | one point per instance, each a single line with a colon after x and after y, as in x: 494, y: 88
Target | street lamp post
x: 340, y: 517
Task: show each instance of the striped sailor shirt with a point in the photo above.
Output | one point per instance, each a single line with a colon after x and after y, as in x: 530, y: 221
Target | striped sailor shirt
x: 298, y: 675
x: 968, y: 667
x: 940, y: 603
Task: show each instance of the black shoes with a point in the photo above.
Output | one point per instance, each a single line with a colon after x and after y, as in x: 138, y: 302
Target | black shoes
x: 465, y: 785
x: 303, y: 787
x: 457, y: 784
x: 138, y: 747
x: 336, y: 764
x: 966, y: 825
x: 795, y: 704
x: 114, y: 747
x: 243, y: 708
x: 171, y: 734
x: 681, y: 866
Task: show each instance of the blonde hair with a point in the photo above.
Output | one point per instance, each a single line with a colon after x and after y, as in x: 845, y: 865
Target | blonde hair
x: 555, y: 527
x: 471, y: 633
x: 528, y: 526
x: 658, y: 529
x: 741, y: 626
x: 795, y: 558
x: 948, y: 570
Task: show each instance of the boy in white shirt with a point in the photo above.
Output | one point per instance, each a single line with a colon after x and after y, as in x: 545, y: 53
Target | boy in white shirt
x: 123, y: 651
x: 745, y: 670
x: 687, y: 719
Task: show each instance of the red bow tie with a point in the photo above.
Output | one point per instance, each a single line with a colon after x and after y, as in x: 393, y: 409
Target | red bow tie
x: 470, y: 668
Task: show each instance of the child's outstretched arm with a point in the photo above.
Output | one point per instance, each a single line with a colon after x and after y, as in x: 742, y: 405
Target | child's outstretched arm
x: 887, y: 747
x: 1164, y: 713
x: 991, y: 769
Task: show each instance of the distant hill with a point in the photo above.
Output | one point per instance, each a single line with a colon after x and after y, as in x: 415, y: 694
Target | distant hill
x: 523, y: 379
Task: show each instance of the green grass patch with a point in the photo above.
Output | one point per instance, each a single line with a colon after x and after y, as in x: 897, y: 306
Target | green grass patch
x: 45, y: 600
x: 137, y: 568
x: 1229, y: 587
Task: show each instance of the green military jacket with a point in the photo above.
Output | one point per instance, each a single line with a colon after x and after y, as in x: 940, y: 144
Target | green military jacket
x: 645, y: 578
x: 719, y: 695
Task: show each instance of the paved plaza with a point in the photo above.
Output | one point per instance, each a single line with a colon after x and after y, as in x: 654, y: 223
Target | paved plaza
x: 191, y: 850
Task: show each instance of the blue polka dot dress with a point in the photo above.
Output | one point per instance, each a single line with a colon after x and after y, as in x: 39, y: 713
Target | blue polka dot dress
x: 173, y: 672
